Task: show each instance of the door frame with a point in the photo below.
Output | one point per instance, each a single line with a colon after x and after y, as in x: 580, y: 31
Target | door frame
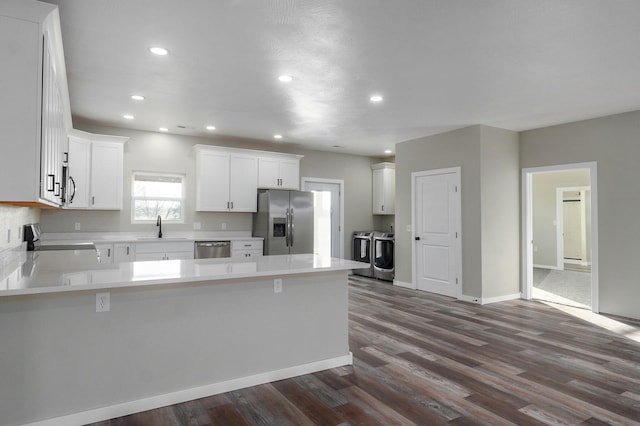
x: 458, y: 218
x: 560, y: 224
x: 340, y: 183
x: 527, y: 226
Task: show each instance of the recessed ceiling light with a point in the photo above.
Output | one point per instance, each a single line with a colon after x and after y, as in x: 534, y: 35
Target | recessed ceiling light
x: 387, y: 151
x: 137, y: 97
x: 211, y: 127
x: 376, y: 98
x: 161, y: 51
x: 277, y: 136
x: 285, y: 78
x: 128, y: 116
x: 163, y: 129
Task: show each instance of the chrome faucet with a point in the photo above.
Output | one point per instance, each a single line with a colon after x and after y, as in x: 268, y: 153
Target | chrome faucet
x: 159, y: 223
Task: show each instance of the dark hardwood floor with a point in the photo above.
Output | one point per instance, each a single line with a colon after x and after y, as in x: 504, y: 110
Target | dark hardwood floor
x: 428, y: 360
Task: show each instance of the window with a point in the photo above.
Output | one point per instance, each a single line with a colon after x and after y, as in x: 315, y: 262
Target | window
x: 157, y: 194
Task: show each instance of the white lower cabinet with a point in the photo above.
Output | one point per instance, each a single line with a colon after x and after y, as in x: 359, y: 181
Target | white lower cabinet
x: 174, y: 250
x: 105, y: 253
x: 246, y: 248
x: 124, y: 252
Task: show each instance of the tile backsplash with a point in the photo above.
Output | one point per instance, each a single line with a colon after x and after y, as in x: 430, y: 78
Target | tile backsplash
x: 11, y: 220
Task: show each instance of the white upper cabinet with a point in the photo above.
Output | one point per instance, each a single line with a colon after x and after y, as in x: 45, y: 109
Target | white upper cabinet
x: 384, y: 188
x: 226, y: 179
x: 34, y: 104
x: 95, y: 171
x: 279, y: 171
x: 78, y: 192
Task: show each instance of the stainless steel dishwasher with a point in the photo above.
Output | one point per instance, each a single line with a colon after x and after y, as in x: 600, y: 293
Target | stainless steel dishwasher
x: 212, y: 249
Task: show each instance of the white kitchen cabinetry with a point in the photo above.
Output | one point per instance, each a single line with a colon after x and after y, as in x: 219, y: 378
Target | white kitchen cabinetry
x: 226, y: 179
x: 124, y: 252
x: 105, y: 252
x: 171, y: 250
x: 246, y: 248
x: 34, y: 104
x: 384, y: 188
x: 279, y: 172
x: 96, y: 171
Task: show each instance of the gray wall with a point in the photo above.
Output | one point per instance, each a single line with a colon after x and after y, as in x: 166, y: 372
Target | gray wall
x: 150, y: 151
x: 614, y: 142
x: 456, y: 148
x: 500, y: 201
x: 488, y: 158
x: 544, y: 211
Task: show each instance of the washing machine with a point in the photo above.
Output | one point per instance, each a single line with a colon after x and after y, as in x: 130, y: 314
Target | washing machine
x: 383, y: 255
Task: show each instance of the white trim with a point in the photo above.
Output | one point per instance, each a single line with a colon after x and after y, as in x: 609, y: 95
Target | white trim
x: 485, y: 301
x: 404, y: 284
x: 527, y: 228
x: 537, y: 265
x: 471, y: 299
x: 458, y: 173
x: 130, y: 407
x: 340, y: 183
x: 497, y: 299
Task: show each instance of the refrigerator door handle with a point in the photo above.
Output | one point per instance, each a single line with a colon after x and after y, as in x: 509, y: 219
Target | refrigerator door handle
x: 287, y: 228
x: 291, y: 228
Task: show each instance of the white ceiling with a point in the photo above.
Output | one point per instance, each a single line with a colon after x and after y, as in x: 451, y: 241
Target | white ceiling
x: 440, y: 65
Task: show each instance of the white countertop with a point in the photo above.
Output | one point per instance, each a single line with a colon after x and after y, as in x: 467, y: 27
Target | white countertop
x: 143, y: 237
x: 41, y: 272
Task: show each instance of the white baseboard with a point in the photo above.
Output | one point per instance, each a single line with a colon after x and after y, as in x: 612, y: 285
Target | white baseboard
x: 470, y: 299
x: 557, y: 268
x: 130, y: 407
x: 485, y: 301
x: 403, y: 284
x: 501, y: 298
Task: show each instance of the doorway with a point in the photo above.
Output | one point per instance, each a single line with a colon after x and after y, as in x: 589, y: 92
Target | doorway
x: 436, y: 222
x: 559, y: 249
x: 328, y: 215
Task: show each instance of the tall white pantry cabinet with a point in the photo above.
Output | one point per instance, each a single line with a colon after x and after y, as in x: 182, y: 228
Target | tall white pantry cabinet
x: 34, y: 105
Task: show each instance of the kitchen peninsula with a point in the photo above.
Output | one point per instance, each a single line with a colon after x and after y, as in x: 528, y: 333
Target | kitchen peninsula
x: 173, y: 330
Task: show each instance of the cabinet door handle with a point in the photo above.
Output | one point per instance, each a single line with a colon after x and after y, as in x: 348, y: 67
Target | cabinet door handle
x: 66, y: 157
x: 232, y: 205
x: 108, y: 252
x: 93, y: 200
x: 127, y: 250
x: 57, y: 191
x: 51, y: 179
x: 383, y: 207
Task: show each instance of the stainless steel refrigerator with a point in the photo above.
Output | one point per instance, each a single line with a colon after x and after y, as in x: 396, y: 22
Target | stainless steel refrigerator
x: 285, y: 221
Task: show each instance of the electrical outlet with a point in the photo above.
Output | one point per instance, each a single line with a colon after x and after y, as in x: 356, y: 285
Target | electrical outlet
x: 223, y: 226
x: 77, y: 226
x: 103, y: 302
x: 196, y: 225
x: 277, y: 285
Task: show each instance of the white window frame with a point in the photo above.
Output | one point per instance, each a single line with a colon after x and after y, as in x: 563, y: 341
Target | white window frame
x: 182, y: 178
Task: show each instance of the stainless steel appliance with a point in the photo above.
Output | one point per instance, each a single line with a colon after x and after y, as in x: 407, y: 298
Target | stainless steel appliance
x: 383, y: 260
x: 361, y: 251
x: 285, y: 221
x: 31, y: 234
x: 212, y: 249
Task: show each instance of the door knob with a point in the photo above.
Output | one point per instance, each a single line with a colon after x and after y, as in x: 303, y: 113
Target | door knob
x: 417, y: 238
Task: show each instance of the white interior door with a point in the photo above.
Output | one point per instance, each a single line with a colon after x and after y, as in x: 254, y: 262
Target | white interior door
x: 328, y: 216
x: 572, y: 221
x: 437, y: 231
